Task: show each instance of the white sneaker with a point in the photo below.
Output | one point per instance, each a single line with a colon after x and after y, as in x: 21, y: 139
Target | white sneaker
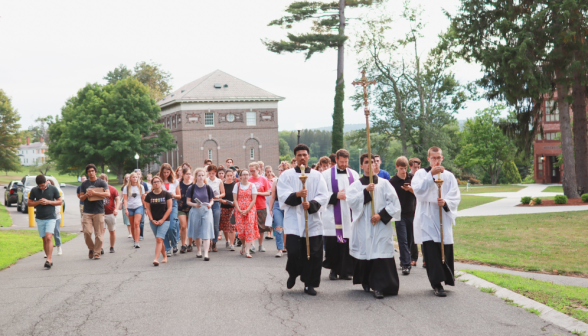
x: 261, y: 248
x: 279, y: 254
x: 232, y: 247
x: 252, y: 248
x: 141, y: 238
x: 130, y: 236
x: 227, y: 244
x: 169, y: 253
x: 45, y: 255
x: 59, y: 251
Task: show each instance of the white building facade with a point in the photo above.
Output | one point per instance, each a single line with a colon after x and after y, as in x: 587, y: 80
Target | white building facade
x: 33, y: 154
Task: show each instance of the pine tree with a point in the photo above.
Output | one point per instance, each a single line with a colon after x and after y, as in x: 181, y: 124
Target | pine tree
x: 9, y: 134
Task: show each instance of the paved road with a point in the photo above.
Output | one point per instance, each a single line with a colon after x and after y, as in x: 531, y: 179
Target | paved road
x: 123, y: 294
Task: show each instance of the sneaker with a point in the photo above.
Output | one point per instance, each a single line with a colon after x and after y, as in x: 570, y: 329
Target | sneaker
x: 190, y: 248
x: 102, y: 252
x: 279, y: 254
x: 175, y: 249
x: 130, y: 236
x: 183, y: 249
x: 169, y: 253
x: 227, y: 245
x: 111, y: 249
x: 45, y: 256
x: 232, y: 247
x: 141, y: 238
x: 238, y: 242
x: 405, y: 270
x: 261, y: 248
x: 59, y: 250
x: 137, y: 245
x: 310, y: 291
x: 252, y: 248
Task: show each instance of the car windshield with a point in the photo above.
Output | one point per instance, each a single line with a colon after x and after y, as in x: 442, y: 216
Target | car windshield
x: 31, y: 181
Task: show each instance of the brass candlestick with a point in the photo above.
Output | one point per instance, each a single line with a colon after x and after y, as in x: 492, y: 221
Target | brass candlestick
x: 303, y: 178
x: 439, y: 183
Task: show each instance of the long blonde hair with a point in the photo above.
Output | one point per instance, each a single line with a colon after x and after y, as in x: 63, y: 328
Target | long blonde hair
x: 130, y: 184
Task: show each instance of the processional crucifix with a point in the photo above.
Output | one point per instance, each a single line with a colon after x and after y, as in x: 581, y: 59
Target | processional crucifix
x: 364, y: 82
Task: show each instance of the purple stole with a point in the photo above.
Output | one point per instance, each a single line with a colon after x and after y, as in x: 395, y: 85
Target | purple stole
x: 337, y: 210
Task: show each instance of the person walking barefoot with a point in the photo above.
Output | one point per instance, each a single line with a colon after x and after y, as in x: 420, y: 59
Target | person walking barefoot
x: 159, y: 205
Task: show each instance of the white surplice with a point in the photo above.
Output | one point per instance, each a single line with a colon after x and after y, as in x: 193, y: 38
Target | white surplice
x: 294, y: 223
x: 329, y: 214
x: 426, y: 224
x: 370, y: 241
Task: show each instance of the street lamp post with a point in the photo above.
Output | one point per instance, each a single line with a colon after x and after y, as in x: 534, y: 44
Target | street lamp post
x: 298, y: 128
x: 137, y: 158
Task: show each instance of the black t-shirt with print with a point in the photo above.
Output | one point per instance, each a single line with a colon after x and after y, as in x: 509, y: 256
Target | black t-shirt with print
x: 93, y: 207
x: 158, y: 203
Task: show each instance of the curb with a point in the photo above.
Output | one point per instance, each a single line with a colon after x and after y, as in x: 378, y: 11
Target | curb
x: 548, y: 314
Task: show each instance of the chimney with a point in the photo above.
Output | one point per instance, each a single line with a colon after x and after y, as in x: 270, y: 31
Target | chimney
x: 28, y: 141
x: 41, y: 139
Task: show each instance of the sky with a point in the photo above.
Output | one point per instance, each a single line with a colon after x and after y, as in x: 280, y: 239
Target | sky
x: 50, y: 50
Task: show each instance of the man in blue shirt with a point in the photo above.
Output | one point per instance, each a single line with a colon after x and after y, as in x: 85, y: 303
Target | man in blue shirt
x: 380, y: 172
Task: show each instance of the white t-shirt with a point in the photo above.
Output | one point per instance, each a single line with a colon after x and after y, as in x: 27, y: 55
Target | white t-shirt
x: 244, y: 187
x: 214, y: 185
x: 134, y: 200
x: 171, y: 187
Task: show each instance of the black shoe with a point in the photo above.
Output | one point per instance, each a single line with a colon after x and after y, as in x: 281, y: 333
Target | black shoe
x: 183, y: 249
x: 268, y: 238
x: 405, y: 270
x: 112, y: 250
x: 439, y: 291
x: 199, y: 256
x: 48, y: 265
x: 424, y: 265
x: 366, y: 288
x: 239, y: 243
x: 206, y: 259
x: 344, y: 277
x: 175, y: 250
x: 378, y: 294
x: 102, y: 252
x: 332, y: 275
x: 291, y: 282
x: 190, y: 248
x: 310, y: 291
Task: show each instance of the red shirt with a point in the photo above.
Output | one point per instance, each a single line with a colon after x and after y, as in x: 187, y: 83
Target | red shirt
x: 262, y: 185
x: 109, y: 201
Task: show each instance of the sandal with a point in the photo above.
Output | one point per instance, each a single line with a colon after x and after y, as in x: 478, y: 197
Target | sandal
x: 249, y: 255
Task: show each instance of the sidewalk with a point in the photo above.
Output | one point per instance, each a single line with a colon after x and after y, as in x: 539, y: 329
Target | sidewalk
x: 508, y: 205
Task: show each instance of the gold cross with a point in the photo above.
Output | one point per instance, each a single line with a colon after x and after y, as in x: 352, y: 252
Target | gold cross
x: 364, y: 82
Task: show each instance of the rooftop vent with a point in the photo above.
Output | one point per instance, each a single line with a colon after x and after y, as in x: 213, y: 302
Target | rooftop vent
x: 226, y: 85
x: 173, y: 95
x: 218, y: 86
x: 183, y: 91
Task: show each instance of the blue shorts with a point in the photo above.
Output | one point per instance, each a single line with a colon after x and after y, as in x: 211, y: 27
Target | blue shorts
x: 45, y: 226
x: 160, y: 230
x: 139, y: 211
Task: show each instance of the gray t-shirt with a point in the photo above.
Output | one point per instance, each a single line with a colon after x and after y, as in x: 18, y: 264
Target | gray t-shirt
x: 93, y: 207
x: 134, y: 200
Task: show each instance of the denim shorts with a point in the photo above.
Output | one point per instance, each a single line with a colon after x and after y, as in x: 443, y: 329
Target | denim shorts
x: 139, y: 211
x: 45, y: 226
x: 160, y: 230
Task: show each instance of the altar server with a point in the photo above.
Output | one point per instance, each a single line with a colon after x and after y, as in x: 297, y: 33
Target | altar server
x: 371, y: 242
x: 337, y: 218
x: 426, y: 222
x: 291, y: 194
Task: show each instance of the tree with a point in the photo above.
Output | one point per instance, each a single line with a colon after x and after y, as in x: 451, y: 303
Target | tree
x: 44, y: 168
x: 40, y: 130
x: 484, y: 145
x: 107, y: 125
x: 327, y: 18
x: 528, y: 51
x: 9, y: 134
x: 150, y: 74
x: 284, y: 148
x: 511, y: 173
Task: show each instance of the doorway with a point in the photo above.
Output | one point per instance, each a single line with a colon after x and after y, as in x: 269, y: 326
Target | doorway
x: 554, y: 176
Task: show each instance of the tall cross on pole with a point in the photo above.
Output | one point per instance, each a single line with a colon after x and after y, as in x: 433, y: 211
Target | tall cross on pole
x: 364, y: 82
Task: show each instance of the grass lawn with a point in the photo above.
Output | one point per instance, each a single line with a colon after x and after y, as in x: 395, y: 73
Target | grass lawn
x: 6, y: 177
x: 533, y: 242
x: 469, y: 201
x: 556, y: 189
x: 490, y: 189
x: 5, y: 219
x: 17, y: 244
x: 570, y: 300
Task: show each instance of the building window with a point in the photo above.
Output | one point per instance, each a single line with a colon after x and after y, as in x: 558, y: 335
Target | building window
x: 208, y: 119
x: 550, y: 136
x: 251, y: 118
x: 551, y: 114
x: 539, y: 136
x: 252, y: 154
x: 210, y: 154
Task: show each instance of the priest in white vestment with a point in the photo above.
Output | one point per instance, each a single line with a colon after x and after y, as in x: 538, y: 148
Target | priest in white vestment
x: 337, y: 218
x: 372, y: 242
x: 290, y: 195
x: 427, y: 229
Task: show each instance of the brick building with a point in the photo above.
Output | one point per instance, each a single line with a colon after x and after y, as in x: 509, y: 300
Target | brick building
x: 219, y: 116
x: 548, y: 147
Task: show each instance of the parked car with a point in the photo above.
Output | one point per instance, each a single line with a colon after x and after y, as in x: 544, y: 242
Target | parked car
x: 10, y: 194
x: 29, y: 182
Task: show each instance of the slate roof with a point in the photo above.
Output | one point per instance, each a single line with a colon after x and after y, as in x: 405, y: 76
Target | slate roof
x: 206, y: 89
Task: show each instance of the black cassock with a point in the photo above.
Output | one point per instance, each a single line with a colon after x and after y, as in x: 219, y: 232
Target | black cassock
x: 436, y: 270
x: 337, y: 257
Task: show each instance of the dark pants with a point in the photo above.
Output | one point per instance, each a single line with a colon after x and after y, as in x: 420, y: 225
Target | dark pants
x: 405, y: 240
x: 437, y: 271
x: 378, y: 274
x: 337, y: 257
x: 299, y: 265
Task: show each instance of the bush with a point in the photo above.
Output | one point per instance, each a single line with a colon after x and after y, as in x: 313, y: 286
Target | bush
x: 529, y: 179
x: 511, y: 173
x: 474, y: 181
x: 537, y: 200
x: 584, y: 198
x: 561, y: 199
x: 460, y: 182
x: 526, y: 200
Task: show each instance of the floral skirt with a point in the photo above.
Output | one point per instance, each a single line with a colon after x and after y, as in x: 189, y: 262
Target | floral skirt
x: 225, y: 221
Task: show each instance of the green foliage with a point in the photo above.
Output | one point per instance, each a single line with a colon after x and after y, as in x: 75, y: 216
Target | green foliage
x: 42, y: 169
x: 585, y: 198
x: 484, y: 145
x: 107, y: 125
x: 537, y: 200
x: 319, y: 142
x: 526, y: 200
x: 121, y: 72
x: 17, y: 244
x: 511, y: 172
x: 338, y: 119
x: 150, y: 74
x: 560, y: 199
x: 284, y: 147
x: 488, y: 290
x: 9, y: 134
x: 529, y: 179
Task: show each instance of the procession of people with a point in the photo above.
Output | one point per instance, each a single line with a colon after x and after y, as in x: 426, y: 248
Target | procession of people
x: 330, y: 217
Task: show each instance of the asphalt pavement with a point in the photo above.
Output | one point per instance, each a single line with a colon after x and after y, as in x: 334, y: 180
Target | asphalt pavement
x: 124, y: 294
